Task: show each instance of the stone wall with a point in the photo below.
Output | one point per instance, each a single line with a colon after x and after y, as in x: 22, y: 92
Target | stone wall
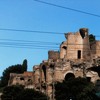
x: 74, y: 60
x: 63, y: 49
x: 77, y: 46
x: 53, y: 55
x: 95, y: 49
x: 25, y: 79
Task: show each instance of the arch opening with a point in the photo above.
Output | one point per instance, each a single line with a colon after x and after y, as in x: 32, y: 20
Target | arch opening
x: 69, y: 76
x: 64, y: 47
x: 88, y: 79
x: 44, y: 71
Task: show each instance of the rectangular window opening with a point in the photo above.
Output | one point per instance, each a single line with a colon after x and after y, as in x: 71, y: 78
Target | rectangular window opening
x: 79, y: 54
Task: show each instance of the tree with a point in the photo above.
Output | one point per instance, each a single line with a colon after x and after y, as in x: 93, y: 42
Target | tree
x: 24, y: 65
x: 91, y: 38
x: 6, y: 73
x: 95, y: 69
x: 75, y: 89
x: 17, y: 92
x: 31, y: 94
x: 12, y: 69
x: 12, y: 92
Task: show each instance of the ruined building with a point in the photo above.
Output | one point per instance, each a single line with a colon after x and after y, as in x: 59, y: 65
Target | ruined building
x: 25, y: 79
x: 76, y: 58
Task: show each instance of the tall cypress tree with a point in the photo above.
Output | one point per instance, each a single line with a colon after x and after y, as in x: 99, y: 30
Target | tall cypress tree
x: 24, y: 65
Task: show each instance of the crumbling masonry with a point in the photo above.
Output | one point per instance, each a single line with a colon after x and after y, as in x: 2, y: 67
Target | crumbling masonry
x: 75, y: 59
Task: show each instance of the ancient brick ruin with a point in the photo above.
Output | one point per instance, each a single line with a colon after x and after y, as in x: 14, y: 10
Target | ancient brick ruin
x: 76, y: 58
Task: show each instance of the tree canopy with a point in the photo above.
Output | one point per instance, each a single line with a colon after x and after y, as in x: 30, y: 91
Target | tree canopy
x: 19, y: 68
x: 7, y: 71
x: 11, y: 92
x: 17, y: 92
x: 31, y: 94
x: 75, y: 89
x: 91, y: 38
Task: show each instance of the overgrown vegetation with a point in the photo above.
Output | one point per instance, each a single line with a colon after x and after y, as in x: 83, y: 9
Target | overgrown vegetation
x: 91, y: 38
x: 17, y: 92
x: 75, y: 89
x: 12, y: 69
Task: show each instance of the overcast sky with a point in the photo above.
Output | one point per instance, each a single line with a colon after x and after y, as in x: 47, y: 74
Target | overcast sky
x: 35, y: 16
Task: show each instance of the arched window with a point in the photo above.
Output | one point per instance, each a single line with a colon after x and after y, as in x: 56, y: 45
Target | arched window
x: 64, y: 47
x: 69, y: 76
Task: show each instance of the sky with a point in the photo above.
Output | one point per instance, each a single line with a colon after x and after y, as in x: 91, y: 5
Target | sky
x: 35, y: 16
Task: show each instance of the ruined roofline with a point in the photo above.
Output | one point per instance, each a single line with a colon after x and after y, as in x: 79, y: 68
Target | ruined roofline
x: 35, y: 67
x: 97, y: 41
x: 16, y: 74
x: 84, y: 29
x: 13, y: 74
x: 81, y: 30
x: 29, y: 73
x: 53, y: 51
x: 22, y: 74
x: 94, y: 42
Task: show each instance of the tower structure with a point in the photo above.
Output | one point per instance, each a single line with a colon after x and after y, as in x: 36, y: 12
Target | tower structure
x: 77, y: 46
